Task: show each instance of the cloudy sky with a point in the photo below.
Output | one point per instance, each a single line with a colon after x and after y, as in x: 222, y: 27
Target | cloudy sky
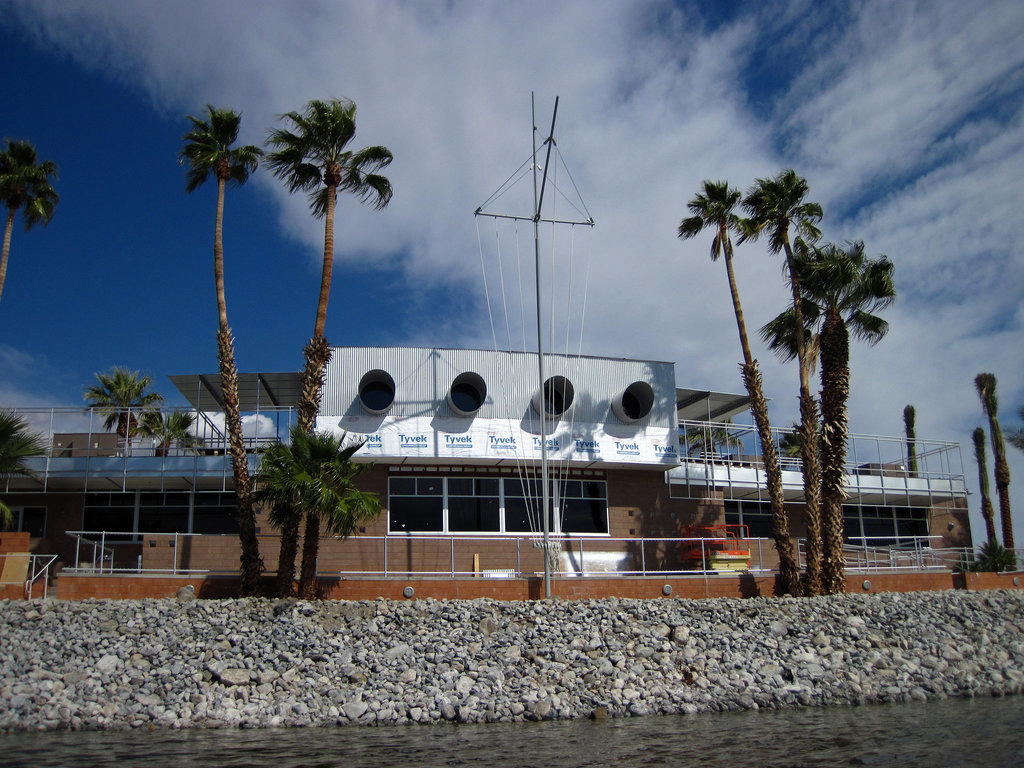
x: 905, y: 118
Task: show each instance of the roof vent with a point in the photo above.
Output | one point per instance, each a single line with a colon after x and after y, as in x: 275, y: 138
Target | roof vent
x: 558, y: 393
x: 634, y: 402
x: 376, y: 391
x: 467, y: 394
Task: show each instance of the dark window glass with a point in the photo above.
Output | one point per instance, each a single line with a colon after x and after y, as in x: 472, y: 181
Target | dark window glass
x: 215, y: 520
x: 115, y: 519
x: 584, y: 516
x: 460, y: 486
x: 33, y: 520
x: 912, y: 528
x: 879, y: 528
x: 758, y: 526
x: 520, y: 518
x: 403, y: 486
x: 428, y: 486
x: 851, y: 528
x: 163, y: 519
x: 473, y: 514
x: 419, y: 514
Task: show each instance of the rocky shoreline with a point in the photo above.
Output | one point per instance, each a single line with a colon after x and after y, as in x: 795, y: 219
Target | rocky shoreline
x: 190, y: 663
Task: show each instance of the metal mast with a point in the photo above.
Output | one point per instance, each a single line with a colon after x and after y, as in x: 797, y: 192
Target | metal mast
x: 536, y: 218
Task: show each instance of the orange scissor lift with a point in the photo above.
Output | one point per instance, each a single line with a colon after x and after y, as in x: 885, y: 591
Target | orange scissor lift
x: 715, y: 547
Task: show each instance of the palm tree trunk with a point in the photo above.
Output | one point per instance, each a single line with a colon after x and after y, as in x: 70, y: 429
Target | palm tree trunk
x: 218, y: 256
x: 835, y: 391
x: 318, y: 355
x: 251, y: 562
x: 310, y: 551
x: 808, y: 439
x: 7, y: 247
x: 1003, y: 489
x: 986, y: 498
x: 789, y: 573
x: 286, y: 558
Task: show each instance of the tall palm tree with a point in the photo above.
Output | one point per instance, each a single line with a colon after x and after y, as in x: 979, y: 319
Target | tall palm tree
x: 849, y: 289
x: 17, y: 443
x: 124, y: 397
x: 909, y: 424
x: 312, y: 157
x: 209, y: 151
x: 986, y: 386
x: 986, y: 496
x: 24, y: 185
x: 777, y: 205
x: 714, y: 208
x: 313, y: 475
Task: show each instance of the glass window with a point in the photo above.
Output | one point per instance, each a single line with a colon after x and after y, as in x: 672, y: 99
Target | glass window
x: 32, y: 520
x: 468, y: 514
x: 163, y: 513
x: 110, y: 512
x: 215, y: 513
x: 420, y: 514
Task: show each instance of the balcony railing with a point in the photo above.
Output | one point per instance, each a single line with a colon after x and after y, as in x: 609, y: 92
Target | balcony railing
x: 878, y: 470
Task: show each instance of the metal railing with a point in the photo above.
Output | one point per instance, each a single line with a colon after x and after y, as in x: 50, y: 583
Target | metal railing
x: 39, y: 569
x: 127, y: 552
x: 724, y: 455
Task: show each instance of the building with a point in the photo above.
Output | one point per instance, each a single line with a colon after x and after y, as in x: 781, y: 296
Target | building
x: 455, y: 437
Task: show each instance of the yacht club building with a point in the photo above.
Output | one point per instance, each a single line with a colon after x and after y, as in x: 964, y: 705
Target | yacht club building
x: 455, y: 438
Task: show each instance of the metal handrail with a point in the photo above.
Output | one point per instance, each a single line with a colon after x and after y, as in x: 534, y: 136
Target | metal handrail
x: 39, y: 568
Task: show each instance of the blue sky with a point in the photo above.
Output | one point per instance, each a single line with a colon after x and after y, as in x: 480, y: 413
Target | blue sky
x: 907, y: 119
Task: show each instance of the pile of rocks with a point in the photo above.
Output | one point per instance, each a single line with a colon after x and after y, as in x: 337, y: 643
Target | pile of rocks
x: 262, y: 663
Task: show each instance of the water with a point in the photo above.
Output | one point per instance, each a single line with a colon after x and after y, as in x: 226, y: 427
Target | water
x: 984, y: 732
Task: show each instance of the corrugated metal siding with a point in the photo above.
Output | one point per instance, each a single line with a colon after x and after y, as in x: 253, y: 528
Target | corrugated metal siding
x: 423, y: 377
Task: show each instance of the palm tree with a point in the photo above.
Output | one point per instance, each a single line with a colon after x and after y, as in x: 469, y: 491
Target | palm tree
x: 174, y: 428
x: 777, y: 205
x: 848, y: 288
x: 312, y: 157
x: 209, y: 151
x: 17, y: 443
x: 123, y: 396
x: 1016, y: 437
x: 314, y: 476
x: 986, y: 497
x: 715, y: 208
x: 712, y: 440
x: 24, y: 185
x: 909, y: 416
x: 986, y: 386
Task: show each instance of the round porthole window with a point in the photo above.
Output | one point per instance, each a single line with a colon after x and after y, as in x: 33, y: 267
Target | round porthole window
x: 467, y: 394
x: 634, y: 402
x: 376, y: 391
x: 555, y: 397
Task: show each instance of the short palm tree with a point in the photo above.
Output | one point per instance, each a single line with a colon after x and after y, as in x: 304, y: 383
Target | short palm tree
x: 175, y: 428
x: 714, y: 208
x: 25, y: 186
x: 712, y: 440
x: 986, y: 386
x: 17, y: 443
x: 777, y: 206
x: 313, y: 477
x: 847, y: 289
x: 987, y: 512
x: 209, y: 151
x: 312, y: 157
x: 124, y: 397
